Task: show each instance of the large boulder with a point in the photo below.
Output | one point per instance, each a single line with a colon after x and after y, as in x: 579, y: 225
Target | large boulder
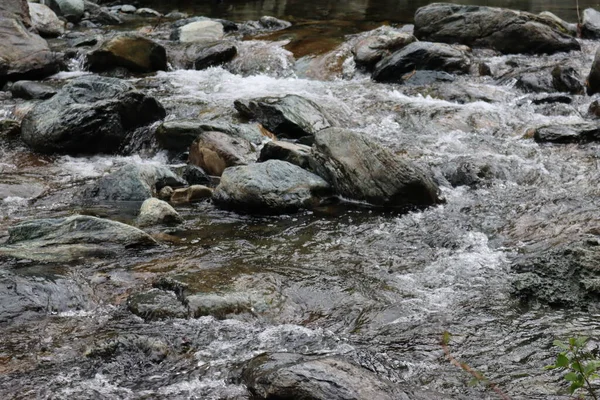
x: 131, y: 51
x: 290, y: 116
x: 72, y: 10
x: 215, y: 151
x: 421, y: 56
x: 593, y: 80
x: 501, y: 29
x: 370, y: 50
x: 91, y: 114
x: 272, y: 187
x: 45, y: 21
x: 23, y: 54
x: 361, y: 169
x: 132, y: 182
x: 199, y: 31
x: 71, y: 238
x: 590, y: 27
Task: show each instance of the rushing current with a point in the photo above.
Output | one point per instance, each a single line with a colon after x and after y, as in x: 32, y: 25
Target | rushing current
x: 379, y: 288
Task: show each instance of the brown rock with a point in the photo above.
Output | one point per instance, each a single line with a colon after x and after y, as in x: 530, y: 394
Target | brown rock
x: 215, y: 151
x: 191, y: 194
x: 130, y: 51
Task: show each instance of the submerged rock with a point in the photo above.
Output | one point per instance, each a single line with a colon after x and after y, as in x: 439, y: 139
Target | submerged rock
x: 91, y: 114
x: 71, y: 238
x: 155, y: 212
x: 218, y: 305
x: 421, y: 56
x: 215, y: 151
x: 156, y: 304
x: 290, y: 116
x: 496, y: 28
x: 272, y: 187
x: 45, y: 21
x: 361, y: 169
x: 131, y: 51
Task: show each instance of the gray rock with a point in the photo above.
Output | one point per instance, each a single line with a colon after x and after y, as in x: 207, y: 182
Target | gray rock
x: 148, y: 13
x: 91, y: 114
x: 9, y: 128
x: 421, y: 56
x: 257, y: 57
x: 16, y: 9
x: 214, y: 55
x: 71, y: 238
x: 45, y: 20
x: 32, y: 90
x: 132, y: 182
x: 497, y: 28
x: 535, y: 82
x: 200, y: 31
x: 297, y: 154
x: 472, y: 171
x: 218, y: 306
x: 290, y: 116
x: 370, y: 50
x: 590, y: 27
x: 567, y: 80
x: 84, y: 41
x: 273, y: 23
x: 564, y: 26
x: 128, y: 9
x: 574, y: 133
x: 593, y: 80
x: 156, y: 304
x: 72, y: 10
x: 272, y: 187
x: 215, y: 151
x: 360, y: 169
x: 157, y: 212
x: 100, y: 15
x: 131, y: 51
x: 195, y: 175
x: 426, y: 77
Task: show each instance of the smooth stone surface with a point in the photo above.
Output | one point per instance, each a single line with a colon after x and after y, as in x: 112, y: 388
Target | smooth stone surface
x: 32, y: 90
x: 191, y: 194
x: 215, y: 151
x: 297, y: 154
x: 590, y: 27
x: 361, y: 169
x: 71, y: 238
x: 199, y: 31
x: 100, y: 15
x: 370, y: 50
x: 155, y: 212
x: 575, y: 133
x: 214, y: 55
x: 272, y: 187
x: 45, y: 20
x: 72, y: 10
x: 131, y: 51
x: 91, y: 114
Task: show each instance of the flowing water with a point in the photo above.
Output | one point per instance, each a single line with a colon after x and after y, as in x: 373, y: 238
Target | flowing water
x: 379, y: 288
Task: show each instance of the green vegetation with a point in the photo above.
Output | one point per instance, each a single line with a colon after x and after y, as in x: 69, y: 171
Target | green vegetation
x: 581, y: 365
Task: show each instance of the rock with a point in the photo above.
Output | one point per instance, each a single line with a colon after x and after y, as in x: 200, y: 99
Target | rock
x: 101, y: 15
x: 465, y: 171
x: 156, y: 212
x: 128, y: 9
x: 156, y: 304
x: 71, y: 238
x: 132, y: 182
x: 215, y: 151
x: 214, y: 55
x: 593, y: 110
x: 195, y: 176
x: 593, y: 80
x: 72, y: 10
x: 370, y: 50
x: 421, y: 56
x: 85, y: 41
x: 131, y: 51
x: 16, y: 9
x: 165, y: 193
x: 191, y: 194
x: 290, y: 116
x: 564, y: 26
x: 422, y: 78
x: 91, y: 114
x: 495, y: 28
x: 297, y: 154
x: 23, y: 54
x: 273, y: 23
x: 551, y: 99
x: 148, y: 13
x: 272, y: 187
x: 535, y: 82
x: 574, y: 133
x: 294, y: 376
x: 9, y: 128
x: 45, y: 20
x: 590, y: 27
x: 262, y: 58
x: 199, y: 31
x: 218, y: 306
x: 363, y: 170
x: 567, y: 80
x: 32, y: 90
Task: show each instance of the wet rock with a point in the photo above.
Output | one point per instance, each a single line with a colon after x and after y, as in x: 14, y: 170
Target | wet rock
x: 590, y: 27
x: 472, y: 172
x: 562, y: 276
x: 45, y: 21
x: 156, y: 212
x: 195, y: 175
x: 535, y: 82
x: 297, y: 154
x: 24, y: 189
x: 24, y: 55
x: 593, y: 80
x: 218, y: 306
x: 593, y: 109
x: 421, y: 56
x: 567, y: 80
x: 215, y: 151
x: 148, y: 13
x: 72, y: 10
x: 495, y: 28
x: 363, y: 170
x: 370, y: 50
x: 91, y: 114
x: 100, y: 15
x: 131, y: 51
x: 132, y: 182
x: 214, y: 55
x: 574, y: 133
x: 564, y: 26
x: 32, y: 90
x: 273, y: 23
x: 17, y: 9
x: 262, y: 58
x: 191, y: 194
x: 271, y: 187
x: 294, y: 376
x: 551, y: 99
x: 9, y: 128
x: 199, y: 31
x: 165, y: 193
x: 71, y: 238
x: 128, y: 9
x: 422, y: 78
x: 156, y: 304
x: 290, y: 116
x: 123, y: 348
x: 84, y: 41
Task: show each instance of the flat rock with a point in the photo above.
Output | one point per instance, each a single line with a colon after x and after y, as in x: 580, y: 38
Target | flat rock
x: 32, y: 90
x: 574, y: 133
x: 297, y: 154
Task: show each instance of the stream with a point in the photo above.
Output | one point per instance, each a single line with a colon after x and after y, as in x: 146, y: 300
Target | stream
x: 379, y: 288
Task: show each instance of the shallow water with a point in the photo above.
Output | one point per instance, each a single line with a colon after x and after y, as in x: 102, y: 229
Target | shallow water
x: 378, y: 288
